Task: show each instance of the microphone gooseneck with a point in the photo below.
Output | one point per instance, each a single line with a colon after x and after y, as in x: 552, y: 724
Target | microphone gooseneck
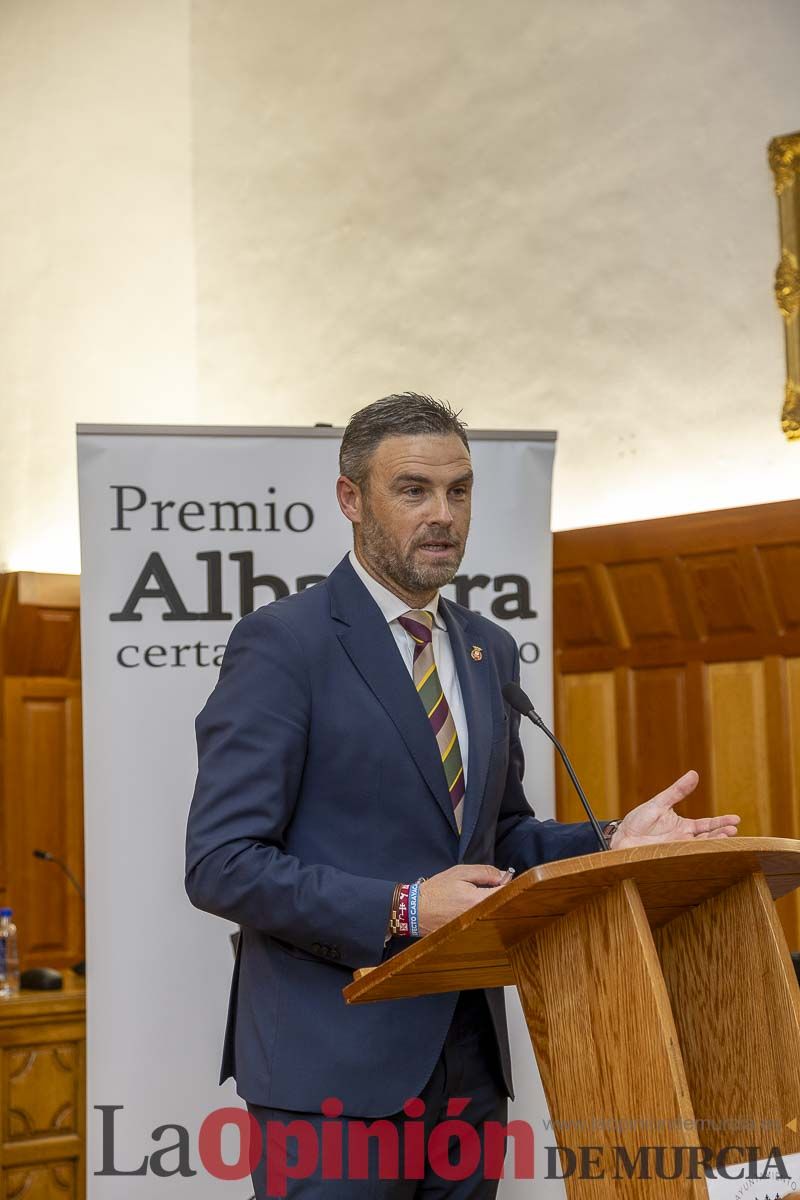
x: 80, y: 967
x: 521, y: 703
x: 48, y: 857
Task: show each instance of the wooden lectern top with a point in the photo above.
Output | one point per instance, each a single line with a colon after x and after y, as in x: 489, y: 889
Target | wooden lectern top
x: 473, y: 950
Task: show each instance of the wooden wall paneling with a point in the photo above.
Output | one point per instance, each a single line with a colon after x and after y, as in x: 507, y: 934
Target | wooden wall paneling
x: 760, y: 597
x: 703, y: 587
x: 660, y: 732
x: 623, y: 699
x: 698, y: 716
x: 760, y: 525
x: 642, y: 594
x: 740, y: 779
x: 698, y: 619
x: 785, y: 813
x: 684, y: 612
x: 614, y: 617
x: 717, y: 595
x: 793, y: 698
x: 41, y: 626
x: 43, y: 808
x: 780, y: 567
x: 585, y: 621
x: 587, y: 702
x: 766, y: 599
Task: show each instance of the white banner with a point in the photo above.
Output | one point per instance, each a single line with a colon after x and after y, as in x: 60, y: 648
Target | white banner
x: 183, y: 531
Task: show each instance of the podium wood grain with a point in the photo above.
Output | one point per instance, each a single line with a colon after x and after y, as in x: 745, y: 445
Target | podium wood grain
x: 659, y: 996
x: 737, y: 1011
x: 600, y: 1022
x: 672, y: 878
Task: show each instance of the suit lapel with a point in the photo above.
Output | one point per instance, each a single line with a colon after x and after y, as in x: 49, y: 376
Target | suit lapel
x: 369, y: 643
x: 475, y: 682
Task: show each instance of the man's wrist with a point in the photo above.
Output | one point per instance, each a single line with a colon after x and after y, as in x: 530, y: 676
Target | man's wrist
x: 609, y: 829
x: 398, y: 914
x: 404, y: 910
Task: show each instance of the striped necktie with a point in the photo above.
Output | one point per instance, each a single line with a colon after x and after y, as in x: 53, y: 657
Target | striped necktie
x: 418, y: 624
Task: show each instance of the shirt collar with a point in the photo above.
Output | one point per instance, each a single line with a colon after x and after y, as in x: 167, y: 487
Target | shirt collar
x: 390, y: 605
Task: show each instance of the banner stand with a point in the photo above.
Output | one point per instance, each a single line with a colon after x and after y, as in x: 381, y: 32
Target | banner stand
x: 183, y: 531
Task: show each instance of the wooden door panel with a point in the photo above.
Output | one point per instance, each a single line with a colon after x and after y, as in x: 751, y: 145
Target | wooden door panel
x: 43, y: 809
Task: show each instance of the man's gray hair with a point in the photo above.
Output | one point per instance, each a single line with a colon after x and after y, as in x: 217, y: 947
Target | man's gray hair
x: 402, y: 415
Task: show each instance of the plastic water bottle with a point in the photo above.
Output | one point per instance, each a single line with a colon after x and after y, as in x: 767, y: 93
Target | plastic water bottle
x: 9, y: 955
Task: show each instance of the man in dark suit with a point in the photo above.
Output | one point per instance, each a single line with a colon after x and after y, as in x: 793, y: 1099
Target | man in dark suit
x: 356, y: 743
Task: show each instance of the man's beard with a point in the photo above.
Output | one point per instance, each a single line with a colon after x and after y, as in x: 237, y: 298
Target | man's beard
x: 408, y: 575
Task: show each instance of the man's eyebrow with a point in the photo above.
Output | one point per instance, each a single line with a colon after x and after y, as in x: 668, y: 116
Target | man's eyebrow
x: 412, y: 478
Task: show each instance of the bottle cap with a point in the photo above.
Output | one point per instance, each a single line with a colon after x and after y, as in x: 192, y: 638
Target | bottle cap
x: 6, y: 912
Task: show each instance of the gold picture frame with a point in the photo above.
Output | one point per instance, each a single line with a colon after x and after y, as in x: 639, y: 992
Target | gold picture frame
x: 784, y: 161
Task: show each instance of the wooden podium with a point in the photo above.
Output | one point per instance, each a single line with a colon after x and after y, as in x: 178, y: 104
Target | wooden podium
x: 659, y: 994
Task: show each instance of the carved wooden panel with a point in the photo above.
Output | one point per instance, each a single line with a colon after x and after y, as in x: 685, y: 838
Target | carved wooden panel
x: 690, y: 627
x: 43, y: 1086
x: 642, y: 593
x: 718, y: 591
x: 585, y: 621
x: 43, y: 1092
x: 42, y: 1181
x: 781, y: 567
x: 705, y: 587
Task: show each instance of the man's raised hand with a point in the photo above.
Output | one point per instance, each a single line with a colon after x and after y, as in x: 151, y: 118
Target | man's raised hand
x: 656, y: 820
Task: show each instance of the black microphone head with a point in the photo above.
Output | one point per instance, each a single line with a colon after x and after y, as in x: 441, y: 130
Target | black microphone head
x: 40, y: 854
x: 514, y: 695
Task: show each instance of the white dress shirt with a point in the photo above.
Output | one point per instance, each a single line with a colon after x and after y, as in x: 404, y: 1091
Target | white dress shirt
x: 393, y: 607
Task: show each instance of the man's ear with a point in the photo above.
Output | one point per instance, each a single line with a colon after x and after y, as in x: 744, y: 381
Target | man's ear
x: 349, y: 496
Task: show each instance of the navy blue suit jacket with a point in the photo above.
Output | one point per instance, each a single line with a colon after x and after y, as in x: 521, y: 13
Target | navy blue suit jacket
x: 320, y: 786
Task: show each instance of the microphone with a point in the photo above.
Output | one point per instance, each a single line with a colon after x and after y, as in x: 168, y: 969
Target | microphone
x: 48, y: 857
x: 521, y: 703
x: 78, y: 968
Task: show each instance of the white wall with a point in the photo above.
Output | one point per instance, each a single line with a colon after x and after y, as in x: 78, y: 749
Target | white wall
x: 97, y: 303
x: 555, y: 215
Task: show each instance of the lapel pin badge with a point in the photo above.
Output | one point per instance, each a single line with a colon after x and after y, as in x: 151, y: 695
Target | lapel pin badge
x: 476, y: 654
